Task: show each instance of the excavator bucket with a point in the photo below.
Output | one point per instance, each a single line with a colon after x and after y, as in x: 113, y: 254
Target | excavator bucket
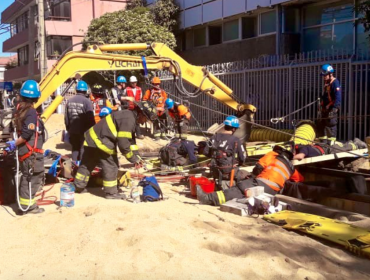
x: 243, y: 133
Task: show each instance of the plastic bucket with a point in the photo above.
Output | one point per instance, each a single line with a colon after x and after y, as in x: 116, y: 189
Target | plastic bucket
x: 208, y: 186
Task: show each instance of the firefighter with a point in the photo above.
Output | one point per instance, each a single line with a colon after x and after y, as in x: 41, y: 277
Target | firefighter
x: 119, y: 90
x: 135, y: 92
x: 178, y: 153
x: 158, y: 96
x: 98, y: 97
x: 330, y: 103
x: 307, y: 151
x: 78, y: 118
x: 227, y: 152
x: 105, y: 111
x: 101, y: 142
x: 271, y: 172
x: 181, y: 115
x: 30, y: 139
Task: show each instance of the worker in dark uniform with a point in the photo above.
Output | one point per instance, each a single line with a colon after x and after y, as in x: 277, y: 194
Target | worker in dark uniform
x: 119, y: 90
x: 181, y: 115
x: 307, y: 151
x: 271, y: 172
x: 227, y: 152
x: 330, y: 103
x: 30, y: 139
x: 79, y: 117
x: 101, y: 144
x: 179, y: 153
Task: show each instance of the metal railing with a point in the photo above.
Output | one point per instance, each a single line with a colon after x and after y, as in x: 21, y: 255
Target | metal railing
x: 278, y: 85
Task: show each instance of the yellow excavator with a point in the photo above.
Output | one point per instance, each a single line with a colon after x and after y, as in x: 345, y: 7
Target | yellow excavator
x: 103, y: 58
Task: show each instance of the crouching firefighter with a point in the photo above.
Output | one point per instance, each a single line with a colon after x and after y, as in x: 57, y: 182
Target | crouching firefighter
x: 178, y: 153
x: 227, y: 152
x: 29, y: 143
x: 101, y: 143
x: 271, y: 172
x: 181, y: 115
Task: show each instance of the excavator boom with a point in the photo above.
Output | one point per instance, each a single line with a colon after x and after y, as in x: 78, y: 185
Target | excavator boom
x: 101, y: 58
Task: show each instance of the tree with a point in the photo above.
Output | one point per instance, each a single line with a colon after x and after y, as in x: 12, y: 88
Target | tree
x: 363, y: 8
x: 129, y: 26
x: 136, y: 3
x: 166, y: 13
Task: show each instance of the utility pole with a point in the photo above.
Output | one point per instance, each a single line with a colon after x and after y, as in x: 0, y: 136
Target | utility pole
x: 41, y: 37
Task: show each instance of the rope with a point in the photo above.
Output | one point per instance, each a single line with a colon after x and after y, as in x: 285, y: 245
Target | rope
x: 282, y: 119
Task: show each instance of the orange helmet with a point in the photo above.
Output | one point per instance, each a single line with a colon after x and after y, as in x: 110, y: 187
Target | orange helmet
x: 156, y: 80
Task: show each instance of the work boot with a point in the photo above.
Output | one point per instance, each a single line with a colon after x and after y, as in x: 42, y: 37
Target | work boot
x: 360, y: 144
x: 36, y: 210
x: 79, y: 190
x: 140, y: 137
x: 203, y: 197
x: 115, y: 196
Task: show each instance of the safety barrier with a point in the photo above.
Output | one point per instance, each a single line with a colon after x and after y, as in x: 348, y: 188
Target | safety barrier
x: 280, y: 88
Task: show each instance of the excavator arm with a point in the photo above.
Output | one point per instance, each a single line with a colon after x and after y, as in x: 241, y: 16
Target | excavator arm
x: 101, y: 58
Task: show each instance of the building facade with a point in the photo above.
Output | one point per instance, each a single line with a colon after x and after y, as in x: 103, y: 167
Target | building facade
x: 214, y: 31
x: 65, y: 21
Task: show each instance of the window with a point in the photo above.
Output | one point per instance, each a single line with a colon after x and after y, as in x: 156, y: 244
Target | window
x: 329, y: 26
x: 362, y: 38
x: 56, y: 45
x: 249, y: 27
x: 23, y: 56
x: 231, y: 30
x: 291, y: 20
x: 215, y: 35
x: 58, y: 10
x: 189, y: 39
x: 268, y: 22
x: 1, y: 75
x: 20, y: 24
x: 200, y: 37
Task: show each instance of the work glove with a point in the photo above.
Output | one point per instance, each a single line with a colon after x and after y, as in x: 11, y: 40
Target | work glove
x: 11, y: 146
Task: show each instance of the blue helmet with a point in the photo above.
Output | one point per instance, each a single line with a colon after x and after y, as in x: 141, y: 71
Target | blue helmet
x: 232, y: 121
x: 30, y: 89
x: 327, y: 69
x: 121, y: 79
x: 169, y: 103
x: 105, y: 111
x: 82, y: 86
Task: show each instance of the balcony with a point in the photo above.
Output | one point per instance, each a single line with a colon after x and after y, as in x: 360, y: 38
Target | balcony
x: 13, y: 43
x: 60, y: 28
x: 10, y: 13
x: 18, y: 73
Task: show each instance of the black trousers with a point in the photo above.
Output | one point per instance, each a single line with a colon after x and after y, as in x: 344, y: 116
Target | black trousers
x: 108, y: 163
x: 159, y: 126
x: 182, y: 128
x: 327, y: 127
x: 33, y: 164
x: 77, y: 142
x: 220, y: 197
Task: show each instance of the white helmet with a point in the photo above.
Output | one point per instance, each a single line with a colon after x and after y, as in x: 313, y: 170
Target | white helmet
x: 133, y: 79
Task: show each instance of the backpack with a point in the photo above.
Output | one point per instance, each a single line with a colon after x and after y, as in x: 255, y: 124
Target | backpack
x: 151, y: 189
x: 222, y: 157
x: 170, y: 155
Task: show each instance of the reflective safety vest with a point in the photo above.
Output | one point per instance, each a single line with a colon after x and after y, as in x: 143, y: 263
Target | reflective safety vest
x: 137, y: 96
x: 158, y: 97
x: 277, y: 169
x: 179, y: 112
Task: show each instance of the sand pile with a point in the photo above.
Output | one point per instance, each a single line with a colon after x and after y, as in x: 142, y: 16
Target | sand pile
x: 173, y: 239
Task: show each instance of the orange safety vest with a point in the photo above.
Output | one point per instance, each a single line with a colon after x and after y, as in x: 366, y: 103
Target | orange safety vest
x: 277, y: 171
x: 179, y: 112
x: 98, y: 104
x: 327, y: 89
x: 158, y: 97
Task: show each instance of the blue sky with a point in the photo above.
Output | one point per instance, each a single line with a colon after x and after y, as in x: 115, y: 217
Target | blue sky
x: 3, y: 5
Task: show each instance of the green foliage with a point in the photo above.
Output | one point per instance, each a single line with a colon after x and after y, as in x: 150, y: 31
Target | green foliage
x: 166, y: 13
x: 129, y: 26
x: 12, y: 63
x: 363, y: 8
x: 135, y: 3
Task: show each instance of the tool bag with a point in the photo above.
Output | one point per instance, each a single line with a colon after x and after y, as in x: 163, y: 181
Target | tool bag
x: 151, y: 189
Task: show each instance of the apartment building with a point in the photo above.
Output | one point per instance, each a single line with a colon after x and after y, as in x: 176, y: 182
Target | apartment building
x: 66, y: 21
x: 215, y: 31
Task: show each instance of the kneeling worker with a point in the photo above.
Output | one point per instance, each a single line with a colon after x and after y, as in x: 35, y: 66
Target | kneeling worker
x: 271, y: 171
x: 100, y: 149
x: 227, y: 152
x: 178, y: 153
x: 181, y: 116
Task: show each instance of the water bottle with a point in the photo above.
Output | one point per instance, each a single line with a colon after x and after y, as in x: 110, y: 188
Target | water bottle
x: 67, y: 195
x: 135, y: 195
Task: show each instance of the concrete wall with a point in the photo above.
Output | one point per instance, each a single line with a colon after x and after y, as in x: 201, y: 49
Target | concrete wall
x: 227, y: 52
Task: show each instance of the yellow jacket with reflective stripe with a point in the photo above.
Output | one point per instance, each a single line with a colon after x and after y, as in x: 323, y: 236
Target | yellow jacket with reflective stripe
x: 114, y: 130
